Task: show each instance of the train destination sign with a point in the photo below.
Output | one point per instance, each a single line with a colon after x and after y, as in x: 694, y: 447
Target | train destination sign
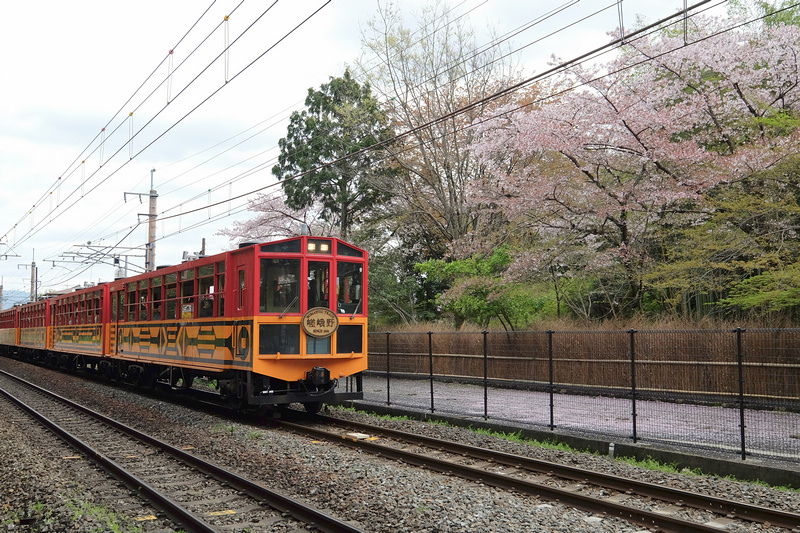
x: 320, y: 322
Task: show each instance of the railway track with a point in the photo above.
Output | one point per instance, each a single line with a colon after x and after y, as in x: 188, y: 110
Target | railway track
x: 650, y: 505
x: 196, y: 495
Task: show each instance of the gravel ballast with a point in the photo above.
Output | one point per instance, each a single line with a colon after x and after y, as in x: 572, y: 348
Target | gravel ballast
x: 380, y: 495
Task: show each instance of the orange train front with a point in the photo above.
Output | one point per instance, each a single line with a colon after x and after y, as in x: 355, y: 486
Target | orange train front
x: 268, y: 324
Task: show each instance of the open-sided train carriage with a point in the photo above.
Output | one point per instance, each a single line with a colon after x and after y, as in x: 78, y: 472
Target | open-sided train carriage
x: 268, y: 324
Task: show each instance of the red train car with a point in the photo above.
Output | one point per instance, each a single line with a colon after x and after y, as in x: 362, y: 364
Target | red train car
x: 266, y: 324
x: 9, y: 327
x: 33, y: 320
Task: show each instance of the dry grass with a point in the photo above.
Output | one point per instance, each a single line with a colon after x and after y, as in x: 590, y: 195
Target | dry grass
x: 669, y: 357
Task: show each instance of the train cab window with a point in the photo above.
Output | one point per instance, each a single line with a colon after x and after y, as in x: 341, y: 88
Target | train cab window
x: 278, y: 286
x: 349, y: 287
x: 285, y: 247
x: 343, y: 249
x: 318, y: 284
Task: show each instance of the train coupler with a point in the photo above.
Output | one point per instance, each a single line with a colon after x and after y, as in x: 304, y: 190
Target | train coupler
x: 319, y: 376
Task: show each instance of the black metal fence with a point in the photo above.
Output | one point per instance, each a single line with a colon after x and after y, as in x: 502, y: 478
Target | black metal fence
x: 736, y: 392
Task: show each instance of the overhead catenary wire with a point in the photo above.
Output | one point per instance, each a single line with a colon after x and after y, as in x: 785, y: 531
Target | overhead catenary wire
x: 527, y: 81
x: 129, y: 119
x: 51, y: 217
x: 193, y: 109
x: 102, y: 132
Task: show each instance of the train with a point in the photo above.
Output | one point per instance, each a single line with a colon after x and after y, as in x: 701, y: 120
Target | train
x: 264, y: 325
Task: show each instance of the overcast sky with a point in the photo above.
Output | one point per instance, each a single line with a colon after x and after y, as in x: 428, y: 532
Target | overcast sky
x: 69, y: 69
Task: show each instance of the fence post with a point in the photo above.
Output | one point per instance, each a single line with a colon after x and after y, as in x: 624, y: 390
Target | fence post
x: 485, y: 377
x: 388, y: 371
x: 430, y: 360
x: 632, y: 333
x: 550, y: 364
x: 740, y: 364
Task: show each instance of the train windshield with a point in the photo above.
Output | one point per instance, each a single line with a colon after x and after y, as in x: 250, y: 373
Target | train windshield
x: 279, y: 286
x: 349, y: 287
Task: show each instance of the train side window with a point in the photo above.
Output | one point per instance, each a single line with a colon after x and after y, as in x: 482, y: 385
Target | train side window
x: 131, y: 302
x: 205, y: 291
x: 143, y: 299
x: 278, y: 290
x: 171, y: 281
x: 98, y: 305
x: 220, y: 290
x: 157, y: 297
x: 187, y: 294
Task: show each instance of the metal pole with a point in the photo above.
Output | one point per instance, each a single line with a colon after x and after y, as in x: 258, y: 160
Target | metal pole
x: 485, y: 377
x: 740, y: 363
x: 388, y: 371
x: 430, y: 361
x: 552, y: 386
x: 632, y: 333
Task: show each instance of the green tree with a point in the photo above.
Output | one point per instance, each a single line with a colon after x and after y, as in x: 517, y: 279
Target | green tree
x: 742, y: 258
x: 326, y: 154
x: 479, y: 293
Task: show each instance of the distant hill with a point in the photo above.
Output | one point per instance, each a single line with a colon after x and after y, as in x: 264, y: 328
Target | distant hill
x: 11, y: 298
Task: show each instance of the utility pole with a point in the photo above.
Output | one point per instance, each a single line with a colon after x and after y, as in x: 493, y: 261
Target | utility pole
x: 150, y: 253
x: 34, y: 277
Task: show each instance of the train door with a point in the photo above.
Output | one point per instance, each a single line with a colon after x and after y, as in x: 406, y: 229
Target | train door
x: 318, y: 295
x: 241, y: 306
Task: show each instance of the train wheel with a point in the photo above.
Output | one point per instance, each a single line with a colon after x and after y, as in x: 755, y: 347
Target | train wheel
x: 312, y: 407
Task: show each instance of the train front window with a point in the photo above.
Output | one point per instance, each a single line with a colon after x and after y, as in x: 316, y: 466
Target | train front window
x: 278, y: 287
x: 349, y: 287
x: 318, y: 283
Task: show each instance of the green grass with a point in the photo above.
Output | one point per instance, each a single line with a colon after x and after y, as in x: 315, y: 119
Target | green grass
x: 111, y: 521
x: 517, y: 437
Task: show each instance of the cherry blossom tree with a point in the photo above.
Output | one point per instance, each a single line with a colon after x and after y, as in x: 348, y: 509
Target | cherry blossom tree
x: 275, y: 220
x: 594, y: 176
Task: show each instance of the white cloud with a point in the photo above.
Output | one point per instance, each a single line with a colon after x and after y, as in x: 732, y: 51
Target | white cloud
x: 68, y: 67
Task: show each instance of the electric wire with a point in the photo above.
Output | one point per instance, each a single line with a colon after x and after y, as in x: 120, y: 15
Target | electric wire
x: 515, y: 87
x: 66, y: 172
x: 52, y: 217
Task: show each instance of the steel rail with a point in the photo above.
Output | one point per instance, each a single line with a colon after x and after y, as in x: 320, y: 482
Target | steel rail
x: 298, y: 510
x: 741, y: 510
x: 171, y: 508
x: 600, y: 506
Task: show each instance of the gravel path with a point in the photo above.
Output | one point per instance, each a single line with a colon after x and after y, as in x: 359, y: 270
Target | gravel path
x: 381, y: 495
